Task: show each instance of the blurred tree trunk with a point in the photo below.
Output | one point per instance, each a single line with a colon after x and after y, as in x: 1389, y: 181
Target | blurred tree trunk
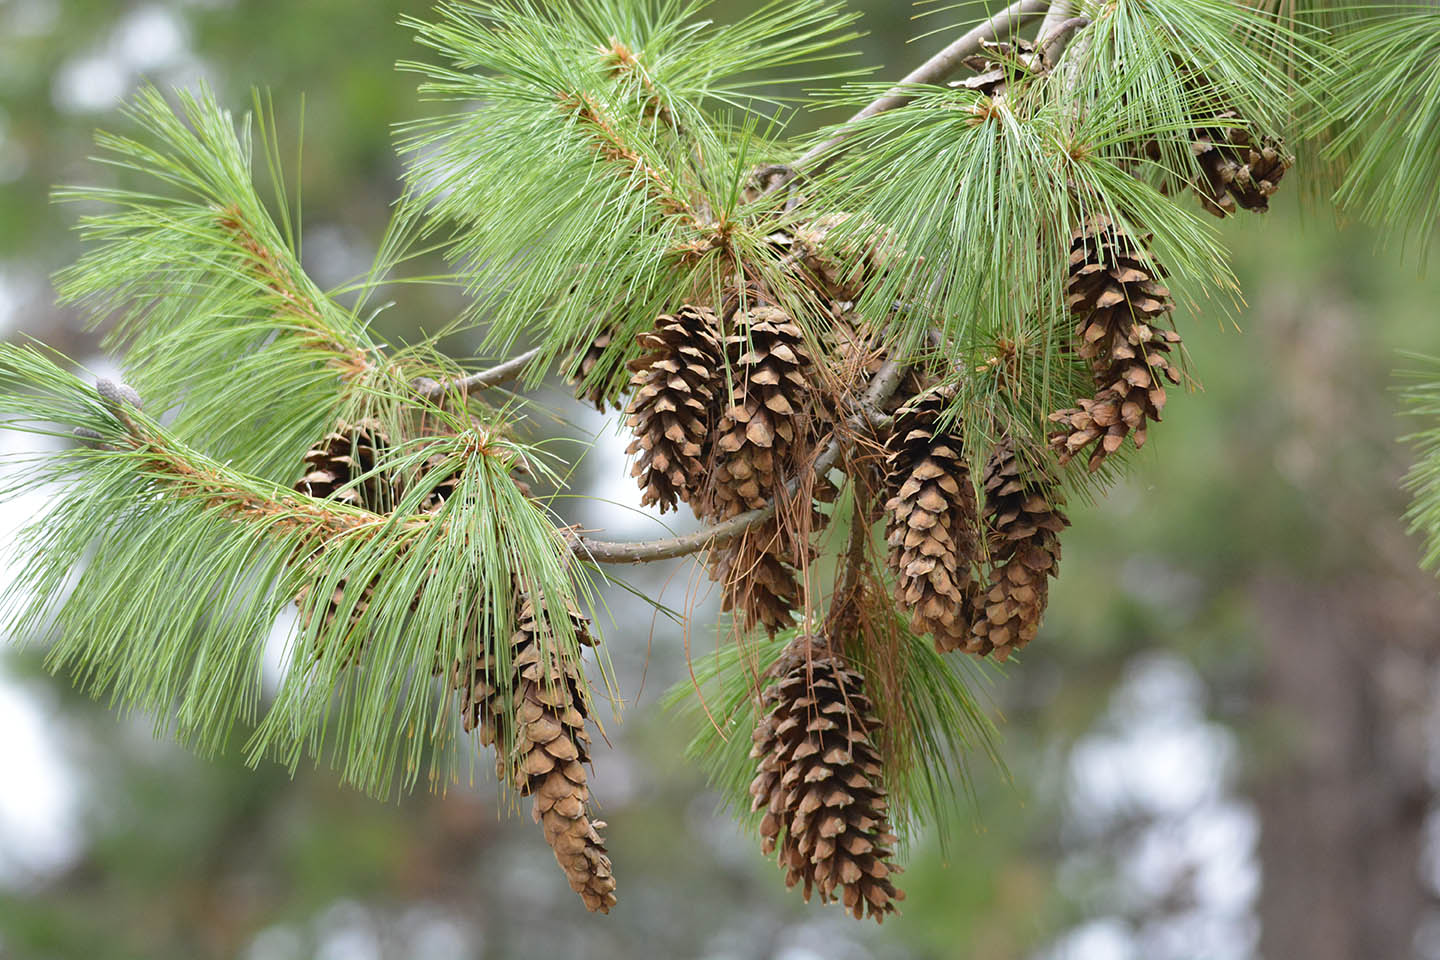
x: 1343, y: 800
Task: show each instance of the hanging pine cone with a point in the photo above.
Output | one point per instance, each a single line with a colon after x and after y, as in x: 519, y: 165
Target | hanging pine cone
x: 763, y: 431
x: 931, y: 523
x: 1116, y: 296
x: 533, y: 710
x: 820, y: 782
x: 761, y: 586
x: 1237, y: 169
x: 1022, y: 529
x: 675, y: 407
x: 598, y: 395
x: 345, y: 454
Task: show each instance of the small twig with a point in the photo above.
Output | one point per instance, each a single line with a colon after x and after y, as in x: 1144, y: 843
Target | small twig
x: 867, y: 415
x: 935, y: 70
x: 429, y: 389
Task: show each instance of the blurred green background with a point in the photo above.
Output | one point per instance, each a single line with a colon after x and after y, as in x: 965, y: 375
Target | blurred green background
x: 1223, y: 746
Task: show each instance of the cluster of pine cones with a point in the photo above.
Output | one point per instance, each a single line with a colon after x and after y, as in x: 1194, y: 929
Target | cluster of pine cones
x: 730, y: 404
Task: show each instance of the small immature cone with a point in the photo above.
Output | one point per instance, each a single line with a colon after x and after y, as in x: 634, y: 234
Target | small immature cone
x: 932, y: 523
x: 820, y: 782
x: 1115, y: 294
x: 675, y: 406
x: 1022, y: 528
x: 534, y: 710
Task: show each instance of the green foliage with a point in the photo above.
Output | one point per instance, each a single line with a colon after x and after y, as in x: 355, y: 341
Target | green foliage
x: 160, y: 572
x: 204, y: 287
x: 1378, y: 103
x: 601, y: 182
x: 1422, y: 401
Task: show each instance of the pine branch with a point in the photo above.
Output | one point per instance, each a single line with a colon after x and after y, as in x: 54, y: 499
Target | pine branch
x: 867, y: 416
x: 433, y: 390
x: 937, y: 69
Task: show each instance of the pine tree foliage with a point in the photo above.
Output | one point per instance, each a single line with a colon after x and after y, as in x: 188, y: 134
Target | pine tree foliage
x: 864, y: 359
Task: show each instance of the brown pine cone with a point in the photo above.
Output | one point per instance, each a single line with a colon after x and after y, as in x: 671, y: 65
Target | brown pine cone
x: 1022, y: 528
x: 820, y: 782
x: 534, y: 710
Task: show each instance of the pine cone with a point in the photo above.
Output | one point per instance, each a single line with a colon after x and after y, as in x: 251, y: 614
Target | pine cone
x: 1022, y: 528
x: 1236, y: 170
x: 345, y: 454
x: 534, y: 711
x: 1117, y: 298
x: 760, y: 585
x: 759, y: 436
x: 675, y: 406
x: 596, y: 394
x: 821, y: 783
x: 998, y: 64
x: 932, y: 523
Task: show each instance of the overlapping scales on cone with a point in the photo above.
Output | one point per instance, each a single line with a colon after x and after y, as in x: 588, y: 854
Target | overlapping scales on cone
x: 767, y: 421
x: 532, y: 707
x: 820, y: 782
x: 1116, y: 295
x: 1022, y: 530
x: 675, y: 407
x: 931, y: 522
x: 761, y: 439
x: 1237, y: 168
x: 344, y: 455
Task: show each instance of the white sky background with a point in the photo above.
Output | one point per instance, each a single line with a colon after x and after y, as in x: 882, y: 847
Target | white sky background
x: 1157, y: 753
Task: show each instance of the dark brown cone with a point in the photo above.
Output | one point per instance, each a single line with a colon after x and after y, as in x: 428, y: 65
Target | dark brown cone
x: 932, y: 523
x: 542, y: 726
x: 1237, y: 169
x: 820, y: 782
x: 675, y: 407
x: 1022, y: 529
x: 758, y: 437
x: 345, y: 454
x: 1119, y: 304
x: 596, y: 394
x: 760, y: 585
